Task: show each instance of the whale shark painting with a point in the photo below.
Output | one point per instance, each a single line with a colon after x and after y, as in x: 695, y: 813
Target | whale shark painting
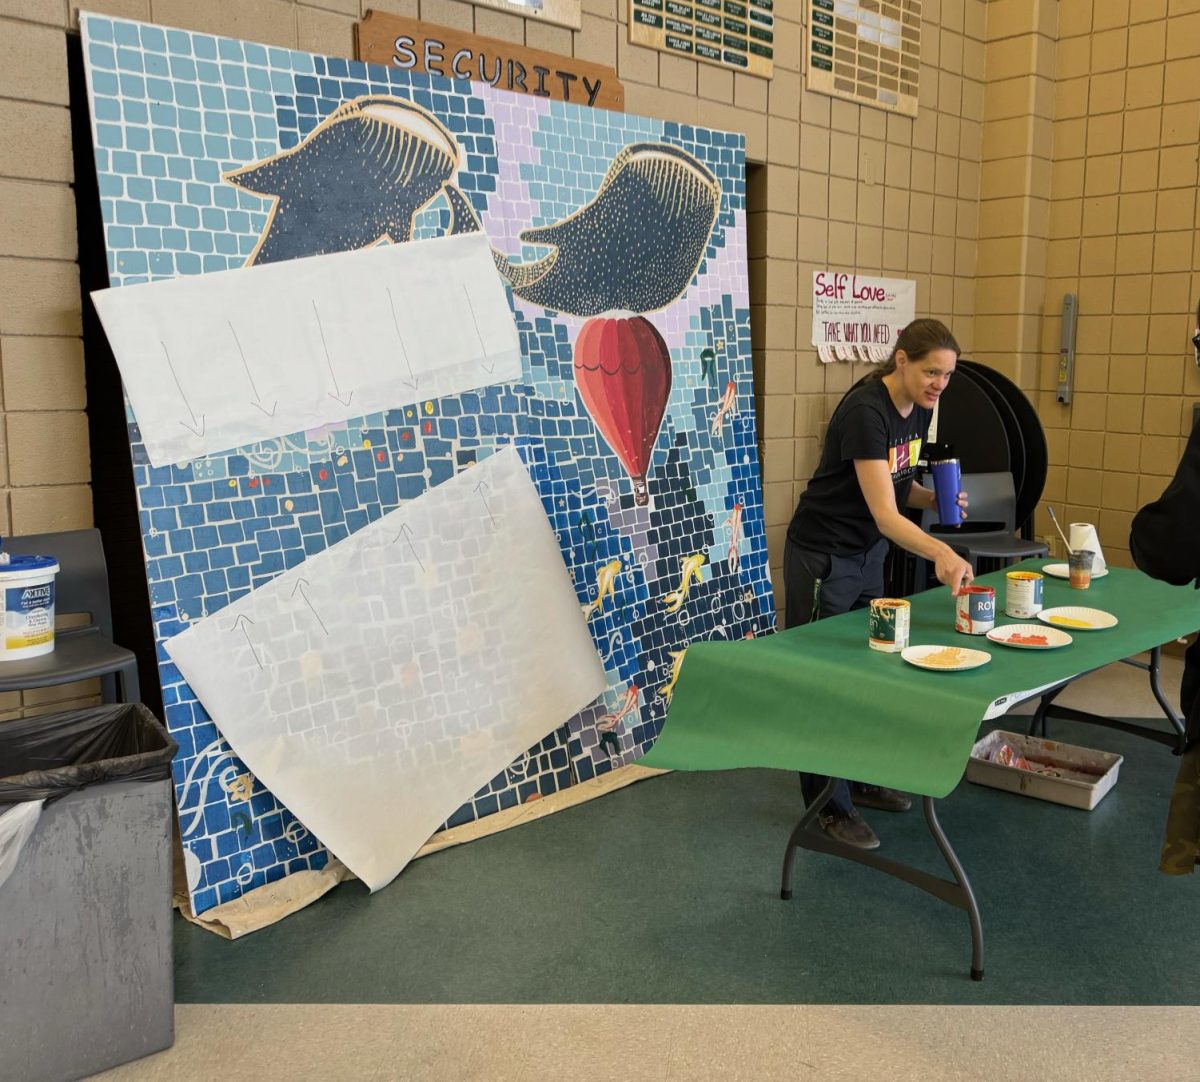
x: 359, y: 178
x: 620, y: 242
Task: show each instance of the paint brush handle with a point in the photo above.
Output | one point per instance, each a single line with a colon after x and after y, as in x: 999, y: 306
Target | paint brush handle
x: 1054, y: 519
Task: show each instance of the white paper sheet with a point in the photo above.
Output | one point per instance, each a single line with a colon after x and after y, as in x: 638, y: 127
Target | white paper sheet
x: 377, y: 686
x: 216, y: 361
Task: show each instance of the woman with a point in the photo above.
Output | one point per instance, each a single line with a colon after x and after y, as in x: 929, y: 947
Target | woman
x: 838, y: 537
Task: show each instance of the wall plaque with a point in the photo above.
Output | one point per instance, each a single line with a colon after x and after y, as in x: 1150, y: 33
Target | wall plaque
x: 868, y: 51
x: 737, y: 34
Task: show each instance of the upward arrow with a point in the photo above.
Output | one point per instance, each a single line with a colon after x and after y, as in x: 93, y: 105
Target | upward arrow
x: 406, y: 533
x: 482, y: 488
x: 241, y: 623
x: 300, y: 586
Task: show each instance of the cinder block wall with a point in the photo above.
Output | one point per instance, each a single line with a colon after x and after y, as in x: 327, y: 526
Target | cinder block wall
x: 1035, y: 163
x: 1123, y: 236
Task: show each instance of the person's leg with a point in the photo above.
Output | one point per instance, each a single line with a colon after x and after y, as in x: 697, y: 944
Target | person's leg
x: 818, y: 585
x: 1189, y: 693
x: 879, y: 797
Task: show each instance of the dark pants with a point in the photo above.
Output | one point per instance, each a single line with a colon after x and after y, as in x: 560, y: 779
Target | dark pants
x: 817, y: 584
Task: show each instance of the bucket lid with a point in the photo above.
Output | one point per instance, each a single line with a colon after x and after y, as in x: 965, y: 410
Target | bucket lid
x: 24, y: 565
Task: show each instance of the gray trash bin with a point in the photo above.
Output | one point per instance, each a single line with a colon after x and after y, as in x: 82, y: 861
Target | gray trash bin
x: 86, y: 972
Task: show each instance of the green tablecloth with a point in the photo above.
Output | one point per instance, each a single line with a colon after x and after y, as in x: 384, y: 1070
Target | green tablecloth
x: 817, y: 698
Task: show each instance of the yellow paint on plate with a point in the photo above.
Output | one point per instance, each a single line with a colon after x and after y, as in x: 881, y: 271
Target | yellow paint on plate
x: 1069, y: 621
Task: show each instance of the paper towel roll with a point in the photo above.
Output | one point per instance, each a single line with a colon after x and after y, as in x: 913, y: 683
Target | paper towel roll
x: 1084, y: 536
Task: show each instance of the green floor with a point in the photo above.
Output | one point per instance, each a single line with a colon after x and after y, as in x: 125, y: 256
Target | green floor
x: 668, y: 892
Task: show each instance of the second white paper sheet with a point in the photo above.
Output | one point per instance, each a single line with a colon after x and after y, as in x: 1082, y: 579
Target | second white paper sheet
x: 377, y: 686
x: 216, y: 361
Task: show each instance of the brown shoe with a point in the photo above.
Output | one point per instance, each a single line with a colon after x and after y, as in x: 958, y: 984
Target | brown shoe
x: 879, y: 797
x: 850, y: 829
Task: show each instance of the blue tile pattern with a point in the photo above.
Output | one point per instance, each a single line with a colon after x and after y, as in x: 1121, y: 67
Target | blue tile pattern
x: 172, y: 111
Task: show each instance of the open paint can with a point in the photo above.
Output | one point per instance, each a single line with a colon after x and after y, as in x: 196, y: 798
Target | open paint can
x: 975, y: 611
x: 27, y: 601
x: 888, y: 624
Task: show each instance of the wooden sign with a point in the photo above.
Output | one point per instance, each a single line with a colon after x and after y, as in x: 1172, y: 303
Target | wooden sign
x: 419, y: 46
x: 737, y: 34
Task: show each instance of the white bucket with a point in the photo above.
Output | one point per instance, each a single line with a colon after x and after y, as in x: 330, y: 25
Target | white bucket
x: 27, y: 605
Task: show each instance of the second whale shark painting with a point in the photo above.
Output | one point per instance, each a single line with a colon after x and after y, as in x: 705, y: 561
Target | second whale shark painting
x: 620, y: 242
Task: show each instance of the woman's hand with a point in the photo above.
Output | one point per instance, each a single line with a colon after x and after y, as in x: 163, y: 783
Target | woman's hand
x: 962, y: 504
x: 953, y: 571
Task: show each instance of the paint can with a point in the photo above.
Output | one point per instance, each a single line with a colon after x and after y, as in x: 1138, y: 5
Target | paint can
x: 27, y: 603
x: 975, y: 610
x: 1023, y: 594
x: 888, y: 623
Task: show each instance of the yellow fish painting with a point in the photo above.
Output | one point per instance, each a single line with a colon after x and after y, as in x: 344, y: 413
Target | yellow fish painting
x: 690, y: 572
x: 668, y: 689
x: 606, y: 586
x: 240, y: 788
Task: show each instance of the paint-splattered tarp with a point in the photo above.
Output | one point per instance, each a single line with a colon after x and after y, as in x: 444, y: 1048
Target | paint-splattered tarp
x: 175, y: 114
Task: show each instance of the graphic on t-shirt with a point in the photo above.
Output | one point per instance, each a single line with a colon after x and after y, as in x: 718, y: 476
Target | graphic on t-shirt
x: 903, y: 458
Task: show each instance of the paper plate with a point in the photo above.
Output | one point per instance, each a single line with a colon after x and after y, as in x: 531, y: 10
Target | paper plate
x: 1061, y: 571
x: 1077, y: 618
x: 944, y: 658
x: 1034, y: 636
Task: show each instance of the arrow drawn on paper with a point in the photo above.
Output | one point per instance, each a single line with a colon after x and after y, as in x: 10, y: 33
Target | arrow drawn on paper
x: 406, y: 533
x: 300, y: 585
x: 241, y: 622
x: 179, y: 386
x: 242, y: 353
x: 329, y: 361
x: 488, y: 368
x: 412, y: 380
x: 481, y: 489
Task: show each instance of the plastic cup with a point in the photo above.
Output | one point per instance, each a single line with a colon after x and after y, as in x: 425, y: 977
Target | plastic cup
x: 947, y: 483
x: 1079, y: 568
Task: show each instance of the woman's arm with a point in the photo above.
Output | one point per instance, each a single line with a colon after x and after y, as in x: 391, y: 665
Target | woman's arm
x: 876, y: 484
x: 923, y: 499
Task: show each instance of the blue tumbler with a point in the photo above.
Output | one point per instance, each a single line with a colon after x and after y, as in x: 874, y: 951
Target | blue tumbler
x: 947, y: 483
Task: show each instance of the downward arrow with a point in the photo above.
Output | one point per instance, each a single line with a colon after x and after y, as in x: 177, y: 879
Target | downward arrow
x: 241, y: 622
x: 412, y: 380
x: 199, y: 431
x: 406, y: 533
x: 337, y: 395
x: 300, y: 585
x: 257, y: 403
x: 488, y: 368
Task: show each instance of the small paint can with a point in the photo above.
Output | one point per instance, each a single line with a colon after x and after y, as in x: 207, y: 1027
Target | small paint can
x: 975, y: 610
x: 888, y: 623
x: 1023, y: 594
x: 27, y: 607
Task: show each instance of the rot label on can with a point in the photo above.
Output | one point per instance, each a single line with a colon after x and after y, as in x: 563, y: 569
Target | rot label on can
x: 1023, y: 594
x: 888, y: 624
x: 975, y: 610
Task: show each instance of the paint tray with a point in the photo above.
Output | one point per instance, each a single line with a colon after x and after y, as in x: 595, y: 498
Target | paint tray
x: 1080, y: 778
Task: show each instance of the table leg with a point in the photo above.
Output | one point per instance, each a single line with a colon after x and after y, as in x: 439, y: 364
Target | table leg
x: 1174, y: 739
x: 957, y: 893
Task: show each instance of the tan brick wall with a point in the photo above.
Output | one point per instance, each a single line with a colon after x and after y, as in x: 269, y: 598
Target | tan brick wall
x: 843, y: 186
x: 1122, y: 235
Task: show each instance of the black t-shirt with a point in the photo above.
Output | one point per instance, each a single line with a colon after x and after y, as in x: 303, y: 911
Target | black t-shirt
x: 832, y: 515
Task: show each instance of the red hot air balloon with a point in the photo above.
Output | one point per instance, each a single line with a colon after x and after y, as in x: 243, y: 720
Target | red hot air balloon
x: 623, y: 373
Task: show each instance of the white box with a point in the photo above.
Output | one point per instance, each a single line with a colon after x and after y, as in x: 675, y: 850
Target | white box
x: 1085, y: 774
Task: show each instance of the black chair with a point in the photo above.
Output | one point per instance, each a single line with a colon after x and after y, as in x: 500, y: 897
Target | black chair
x: 989, y: 533
x: 86, y: 651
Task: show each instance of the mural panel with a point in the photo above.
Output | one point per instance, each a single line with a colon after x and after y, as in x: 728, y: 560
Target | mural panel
x: 622, y: 241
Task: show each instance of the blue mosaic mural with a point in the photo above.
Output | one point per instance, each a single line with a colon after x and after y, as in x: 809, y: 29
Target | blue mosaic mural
x: 648, y: 471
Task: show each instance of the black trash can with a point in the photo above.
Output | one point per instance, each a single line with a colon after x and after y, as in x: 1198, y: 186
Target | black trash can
x: 86, y: 973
